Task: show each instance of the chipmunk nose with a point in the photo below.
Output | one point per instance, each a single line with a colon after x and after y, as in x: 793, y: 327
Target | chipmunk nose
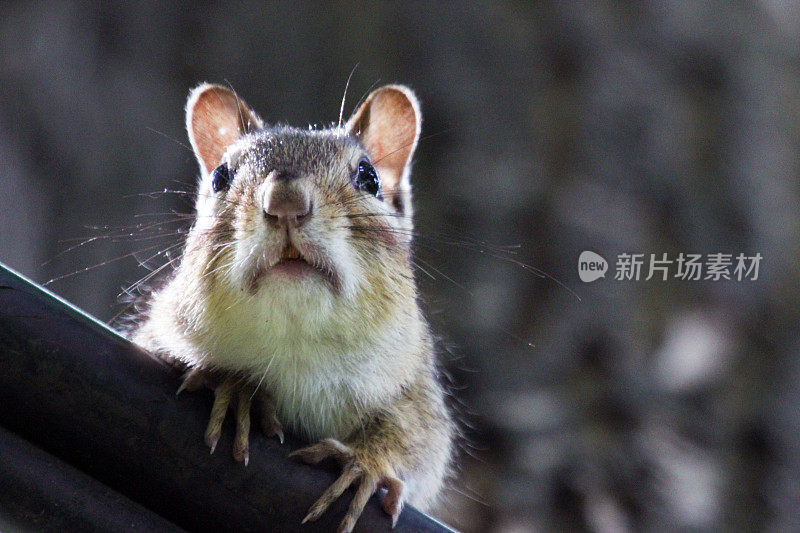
x: 287, y: 204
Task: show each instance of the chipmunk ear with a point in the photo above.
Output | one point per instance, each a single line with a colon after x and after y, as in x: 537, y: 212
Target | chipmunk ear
x: 215, y: 119
x: 388, y: 125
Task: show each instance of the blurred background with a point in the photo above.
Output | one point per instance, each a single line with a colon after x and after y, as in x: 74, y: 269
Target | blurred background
x: 548, y: 130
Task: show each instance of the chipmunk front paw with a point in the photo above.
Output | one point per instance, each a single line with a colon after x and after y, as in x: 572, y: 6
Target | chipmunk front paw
x: 356, y: 468
x: 226, y: 387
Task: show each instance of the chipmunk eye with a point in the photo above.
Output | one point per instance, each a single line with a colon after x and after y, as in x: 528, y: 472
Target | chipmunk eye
x: 367, y: 179
x: 221, y: 178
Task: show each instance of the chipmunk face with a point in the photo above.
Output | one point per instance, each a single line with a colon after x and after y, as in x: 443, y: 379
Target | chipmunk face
x: 294, y: 204
x: 304, y: 217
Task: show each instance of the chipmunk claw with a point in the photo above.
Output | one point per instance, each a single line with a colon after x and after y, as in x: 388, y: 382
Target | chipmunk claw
x: 211, y: 443
x: 222, y: 399
x: 353, y: 471
x: 226, y: 388
x: 395, y: 497
x: 270, y: 424
x: 198, y: 377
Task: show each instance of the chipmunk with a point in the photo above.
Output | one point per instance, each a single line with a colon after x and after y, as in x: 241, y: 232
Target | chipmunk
x: 296, y: 291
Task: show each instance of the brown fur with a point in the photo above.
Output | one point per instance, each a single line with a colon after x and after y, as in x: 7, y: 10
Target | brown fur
x: 361, y: 373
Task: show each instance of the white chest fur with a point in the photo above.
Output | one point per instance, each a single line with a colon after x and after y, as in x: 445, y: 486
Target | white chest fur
x: 323, y: 368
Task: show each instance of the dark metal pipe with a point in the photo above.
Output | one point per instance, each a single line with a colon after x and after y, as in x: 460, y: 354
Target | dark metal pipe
x: 78, y: 390
x: 41, y: 493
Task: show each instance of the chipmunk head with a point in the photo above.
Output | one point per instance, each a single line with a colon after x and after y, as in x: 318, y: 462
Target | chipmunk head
x: 305, y: 217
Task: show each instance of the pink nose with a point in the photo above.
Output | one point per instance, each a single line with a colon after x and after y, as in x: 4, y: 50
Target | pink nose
x: 286, y: 205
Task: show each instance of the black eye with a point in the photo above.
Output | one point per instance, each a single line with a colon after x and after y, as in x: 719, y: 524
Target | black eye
x: 221, y: 178
x: 367, y: 179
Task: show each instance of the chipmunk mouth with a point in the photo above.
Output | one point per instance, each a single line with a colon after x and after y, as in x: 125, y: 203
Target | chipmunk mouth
x: 294, y: 265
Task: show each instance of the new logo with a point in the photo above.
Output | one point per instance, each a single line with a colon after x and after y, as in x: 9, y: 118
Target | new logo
x: 591, y: 266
